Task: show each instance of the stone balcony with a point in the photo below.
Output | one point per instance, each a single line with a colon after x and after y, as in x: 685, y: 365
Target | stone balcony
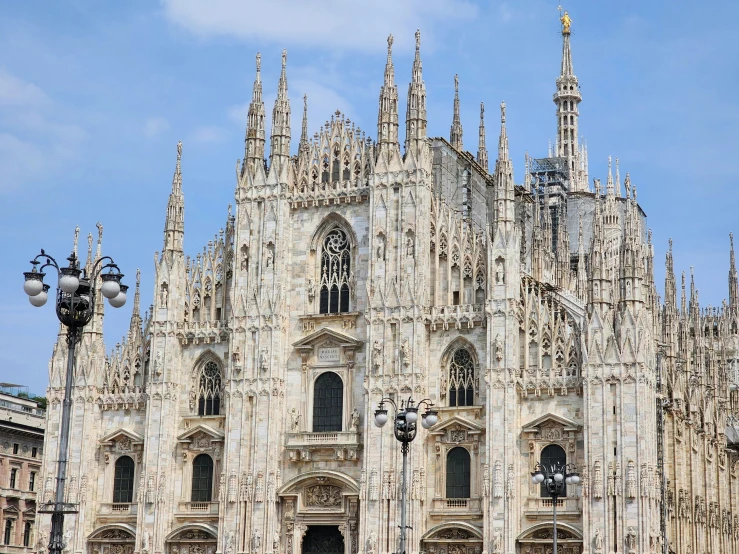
x: 459, y: 508
x: 339, y: 445
x: 117, y: 511
x: 541, y: 508
x: 194, y: 510
x: 18, y: 494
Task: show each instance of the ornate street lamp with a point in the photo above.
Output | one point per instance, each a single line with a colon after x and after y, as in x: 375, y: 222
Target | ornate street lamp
x: 555, y: 477
x: 75, y: 306
x: 405, y: 422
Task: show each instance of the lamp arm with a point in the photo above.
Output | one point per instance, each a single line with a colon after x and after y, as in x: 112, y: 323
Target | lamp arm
x: 389, y: 401
x: 48, y: 262
x: 97, y: 269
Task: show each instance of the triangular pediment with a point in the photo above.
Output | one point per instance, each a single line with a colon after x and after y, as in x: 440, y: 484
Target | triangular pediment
x: 455, y: 422
x: 541, y: 422
x: 188, y: 435
x: 121, y: 433
x: 327, y: 335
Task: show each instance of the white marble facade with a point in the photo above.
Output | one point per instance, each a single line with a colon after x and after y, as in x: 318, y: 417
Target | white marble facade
x: 236, y: 415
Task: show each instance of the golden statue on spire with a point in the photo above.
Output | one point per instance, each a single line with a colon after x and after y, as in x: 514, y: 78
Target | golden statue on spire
x: 566, y: 21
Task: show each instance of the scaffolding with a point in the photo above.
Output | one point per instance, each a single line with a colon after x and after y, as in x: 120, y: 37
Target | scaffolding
x: 550, y: 178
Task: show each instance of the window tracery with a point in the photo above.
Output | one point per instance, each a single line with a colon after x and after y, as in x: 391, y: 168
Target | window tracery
x: 335, y: 273
x: 209, y: 389
x: 461, y: 379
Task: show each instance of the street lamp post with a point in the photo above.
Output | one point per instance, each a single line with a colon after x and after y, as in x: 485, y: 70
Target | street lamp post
x: 554, y: 478
x: 75, y: 306
x: 404, y: 427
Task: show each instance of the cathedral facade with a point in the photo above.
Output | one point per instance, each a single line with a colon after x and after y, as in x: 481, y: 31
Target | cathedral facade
x: 237, y: 415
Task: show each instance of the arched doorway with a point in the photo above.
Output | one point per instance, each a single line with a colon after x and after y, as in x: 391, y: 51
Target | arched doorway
x: 323, y: 539
x: 192, y: 540
x: 112, y: 540
x: 539, y: 539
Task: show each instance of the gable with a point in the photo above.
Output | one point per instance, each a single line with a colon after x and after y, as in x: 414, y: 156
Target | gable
x: 327, y: 335
x: 551, y: 420
x: 190, y: 434
x: 122, y: 434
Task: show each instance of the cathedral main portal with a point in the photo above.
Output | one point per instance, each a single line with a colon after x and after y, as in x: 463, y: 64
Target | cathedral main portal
x: 323, y: 539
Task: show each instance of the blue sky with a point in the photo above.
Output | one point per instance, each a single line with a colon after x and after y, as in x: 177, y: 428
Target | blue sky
x: 94, y: 97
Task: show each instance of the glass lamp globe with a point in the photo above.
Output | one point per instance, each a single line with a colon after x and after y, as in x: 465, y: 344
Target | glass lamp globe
x: 558, y: 477
x: 33, y: 286
x: 41, y: 298
x: 568, y: 480
x: 380, y: 417
x: 411, y: 415
x: 431, y: 418
x: 120, y: 299
x: 69, y: 283
x: 575, y: 479
x: 111, y: 286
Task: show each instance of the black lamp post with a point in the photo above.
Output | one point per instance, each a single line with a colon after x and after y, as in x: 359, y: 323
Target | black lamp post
x: 555, y: 477
x: 405, y: 420
x: 75, y: 306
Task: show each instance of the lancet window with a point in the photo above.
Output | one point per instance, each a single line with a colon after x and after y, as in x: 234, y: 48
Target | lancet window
x: 209, y: 389
x: 202, y: 479
x: 335, y: 273
x: 123, y: 480
x: 461, y: 379
x: 552, y: 456
x: 328, y: 403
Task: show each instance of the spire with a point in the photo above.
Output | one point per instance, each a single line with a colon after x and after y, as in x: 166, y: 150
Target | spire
x: 136, y: 312
x: 567, y: 98
x: 254, y: 140
x: 387, y: 118
x: 303, y: 147
x: 670, y: 287
x: 609, y: 182
x: 415, y: 115
x: 455, y: 135
x: 503, y: 173
x: 482, y: 151
x: 683, y: 301
x: 174, y: 225
x: 618, y: 181
x: 581, y: 272
x: 279, y: 151
x: 503, y: 140
x: 733, y: 281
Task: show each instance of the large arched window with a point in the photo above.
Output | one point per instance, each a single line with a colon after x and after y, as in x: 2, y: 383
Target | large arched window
x: 202, y: 478
x: 335, y: 272
x: 458, y: 473
x: 328, y: 403
x: 209, y: 389
x: 462, y: 379
x: 123, y: 480
x: 552, y: 455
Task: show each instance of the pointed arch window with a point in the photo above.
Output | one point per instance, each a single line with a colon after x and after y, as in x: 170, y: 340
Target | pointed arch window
x: 335, y: 273
x: 202, y: 479
x: 328, y: 403
x: 209, y: 389
x: 123, y: 480
x: 552, y: 455
x: 458, y: 473
x: 462, y: 379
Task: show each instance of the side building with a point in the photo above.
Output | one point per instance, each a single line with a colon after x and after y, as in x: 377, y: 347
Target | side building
x: 22, y: 424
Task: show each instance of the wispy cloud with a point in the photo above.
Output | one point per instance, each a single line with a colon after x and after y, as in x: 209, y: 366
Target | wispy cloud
x: 155, y: 125
x: 351, y: 25
x: 207, y: 134
x: 17, y: 92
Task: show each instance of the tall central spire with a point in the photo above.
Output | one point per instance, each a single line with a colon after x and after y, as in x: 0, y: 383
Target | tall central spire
x: 455, y: 135
x: 415, y: 115
x: 174, y: 225
x: 280, y: 137
x: 255, y: 135
x: 482, y: 150
x: 567, y: 98
x: 387, y: 118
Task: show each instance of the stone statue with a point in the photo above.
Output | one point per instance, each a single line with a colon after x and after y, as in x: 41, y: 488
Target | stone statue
x: 566, y: 22
x: 276, y: 542
x: 311, y: 290
x: 355, y: 420
x: 294, y: 420
x: 256, y: 540
x: 372, y: 543
x: 269, y: 258
x: 145, y: 540
x: 409, y: 249
x: 405, y: 351
x: 598, y: 541
x: 497, y: 542
x: 263, y: 359
x: 230, y: 543
x: 631, y: 539
x: 164, y: 295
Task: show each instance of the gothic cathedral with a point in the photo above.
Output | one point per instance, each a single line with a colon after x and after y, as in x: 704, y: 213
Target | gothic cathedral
x: 237, y: 415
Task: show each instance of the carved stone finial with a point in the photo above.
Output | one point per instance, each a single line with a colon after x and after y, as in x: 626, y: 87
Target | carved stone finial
x: 284, y: 58
x: 259, y: 62
x: 179, y: 150
x: 418, y: 39
x: 389, y: 44
x: 502, y: 112
x: 76, y: 239
x: 138, y: 277
x: 456, y: 83
x: 100, y: 232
